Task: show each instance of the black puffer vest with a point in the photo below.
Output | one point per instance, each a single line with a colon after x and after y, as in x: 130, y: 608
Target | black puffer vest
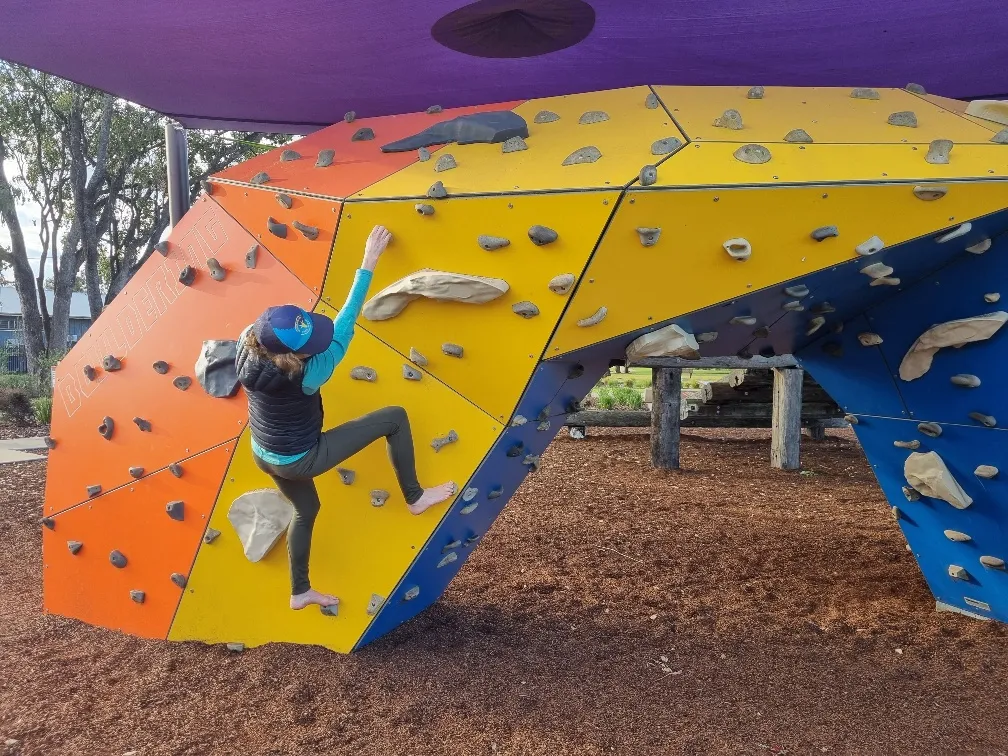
x: 284, y: 419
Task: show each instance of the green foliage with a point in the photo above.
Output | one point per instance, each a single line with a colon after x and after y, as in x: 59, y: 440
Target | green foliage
x: 16, y: 407
x: 18, y: 382
x: 43, y: 409
x: 619, y: 398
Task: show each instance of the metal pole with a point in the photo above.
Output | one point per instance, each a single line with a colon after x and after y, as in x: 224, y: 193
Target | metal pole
x: 178, y: 171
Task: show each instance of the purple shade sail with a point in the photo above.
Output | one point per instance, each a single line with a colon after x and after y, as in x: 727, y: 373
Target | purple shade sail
x: 298, y: 65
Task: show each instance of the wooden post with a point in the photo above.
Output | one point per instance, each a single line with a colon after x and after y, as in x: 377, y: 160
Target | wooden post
x: 816, y: 431
x: 666, y: 386
x: 786, y: 436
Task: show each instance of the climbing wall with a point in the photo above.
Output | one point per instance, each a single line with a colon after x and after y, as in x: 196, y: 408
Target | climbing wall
x: 534, y: 243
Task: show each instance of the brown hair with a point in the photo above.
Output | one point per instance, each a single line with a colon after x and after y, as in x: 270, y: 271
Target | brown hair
x: 289, y: 364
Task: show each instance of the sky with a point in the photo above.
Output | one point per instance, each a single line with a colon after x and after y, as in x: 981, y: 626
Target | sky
x: 29, y: 214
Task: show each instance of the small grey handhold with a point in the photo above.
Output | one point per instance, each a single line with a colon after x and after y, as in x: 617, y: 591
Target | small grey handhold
x: 495, y: 492
x: 411, y: 374
x: 287, y: 155
x: 441, y: 441
x: 869, y: 247
x: 346, y: 475
x: 423, y: 209
x: 532, y: 461
x: 756, y: 93
x: 958, y: 573
x: 412, y: 593
x: 284, y: 200
x: 965, y: 380
x: 1001, y: 137
x: 434, y: 109
x: 593, y: 116
x: 378, y: 497
x: 49, y: 523
x: 825, y: 232
x: 309, y: 232
x: 416, y: 358
x: 730, y: 119
x: 793, y: 306
x: 365, y: 134
x: 897, y: 515
x: 106, y: 428
x: 276, y: 228
x: 452, y: 350
x: 797, y: 291
x: 207, y: 187
x: 525, y: 308
x: 957, y: 536
x: 868, y: 339
x: 445, y: 163
x: 89, y: 372
x: 814, y: 325
x: 864, y: 93
x: 471, y: 540
x: 470, y: 493
x: 448, y: 558
x: 160, y: 367
x: 707, y: 337
x: 217, y: 272
x: 175, y: 510
x: 325, y: 158
x: 110, y: 364
x: 561, y: 284
x: 543, y: 426
x: 755, y: 154
x: 665, y: 146
x: 118, y: 559
x: 852, y: 419
x: 516, y: 448
x: 544, y: 414
x: 651, y: 101
x: 260, y: 178
x: 798, y: 136
x: 518, y: 421
x: 142, y: 424
x: 179, y: 579
x: 939, y: 151
x: 915, y: 444
x: 932, y: 430
x: 542, y: 235
x: 545, y: 116
x: 362, y: 373
x: 987, y: 472
x: 648, y: 175
x: 930, y: 193
x: 175, y: 469
x: 988, y: 421
x: 349, y: 116
x: 449, y: 546
x: 235, y: 648
x: 136, y: 472
x: 992, y: 297
x: 374, y: 604
x: 437, y: 191
x: 162, y: 248
x: 915, y: 89
x: 469, y: 508
x: 211, y: 535
x: 903, y: 118
x: 514, y: 144
x: 74, y: 546
x: 423, y: 154
x: 187, y: 276
x: 911, y: 494
x: 252, y: 256
x: 746, y: 320
x: 648, y: 236
x: 588, y: 154
x: 594, y: 319
x: 330, y: 610
x: 492, y: 243
x: 138, y: 596
x: 93, y: 490
x: 995, y: 563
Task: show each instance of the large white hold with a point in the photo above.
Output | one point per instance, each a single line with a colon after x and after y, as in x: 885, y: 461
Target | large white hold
x: 437, y: 285
x: 670, y: 341
x: 954, y: 333
x: 926, y: 473
x: 259, y: 518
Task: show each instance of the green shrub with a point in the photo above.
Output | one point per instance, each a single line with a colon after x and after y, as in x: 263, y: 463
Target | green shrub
x: 626, y: 398
x: 606, y: 399
x: 16, y: 407
x: 43, y: 409
x: 18, y: 382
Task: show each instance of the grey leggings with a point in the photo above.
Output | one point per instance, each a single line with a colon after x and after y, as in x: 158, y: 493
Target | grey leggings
x: 295, y: 480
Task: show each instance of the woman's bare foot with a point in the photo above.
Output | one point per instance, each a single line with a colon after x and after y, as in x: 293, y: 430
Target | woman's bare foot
x: 311, y: 596
x: 432, y: 496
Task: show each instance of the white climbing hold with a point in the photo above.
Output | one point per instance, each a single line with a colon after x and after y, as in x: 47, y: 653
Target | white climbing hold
x: 992, y: 297
x: 411, y: 374
x: 561, y: 284
x: 469, y: 508
x: 939, y: 151
x: 797, y: 291
x: 798, y: 136
x: 993, y: 562
x: 514, y: 144
x: 987, y: 472
x: 364, y: 373
x: 989, y: 110
x: 416, y: 358
x: 825, y: 232
x: 525, y: 308
x: 670, y: 341
x: 965, y: 380
x: 955, y: 233
x: 754, y: 154
x: 492, y: 243
x: 870, y: 247
x: 593, y: 116
x: 423, y: 209
x: 259, y: 518
x: 587, y: 154
x: 1001, y: 137
x: 958, y: 573
x: 877, y: 270
x: 793, y: 306
x: 468, y: 495
x: 445, y: 163
x: 932, y: 430
x: 730, y: 119
x: 885, y: 281
x: 864, y: 93
x: 954, y: 333
x: 755, y: 93
x: 926, y: 473
x: 814, y: 325
x: 869, y: 339
x: 665, y: 146
x: 738, y: 249
x: 906, y: 118
x: 852, y: 419
x: 519, y: 420
x: 907, y: 444
x: 746, y: 320
x: 980, y: 247
x: 438, y: 286
x: 593, y: 320
x: 374, y: 604
x: 957, y: 536
x: 930, y: 193
x: 546, y: 116
x: 378, y: 497
x: 441, y: 441
x: 452, y: 350
x: 648, y: 236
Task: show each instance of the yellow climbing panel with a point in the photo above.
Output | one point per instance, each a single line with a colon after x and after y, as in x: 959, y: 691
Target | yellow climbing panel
x: 624, y: 140
x: 688, y: 268
x: 828, y: 114
x: 500, y: 348
x: 357, y: 550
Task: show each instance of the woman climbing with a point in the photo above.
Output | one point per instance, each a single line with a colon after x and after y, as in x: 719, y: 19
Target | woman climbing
x: 283, y: 360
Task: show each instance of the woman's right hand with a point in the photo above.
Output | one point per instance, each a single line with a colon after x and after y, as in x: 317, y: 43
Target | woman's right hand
x: 376, y: 243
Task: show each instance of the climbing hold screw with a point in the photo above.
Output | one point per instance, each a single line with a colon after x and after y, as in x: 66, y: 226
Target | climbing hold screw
x: 730, y: 119
x: 423, y: 154
x: 187, y: 276
x: 648, y: 175
x: 593, y: 116
x: 251, y: 256
x: 525, y: 309
x: 930, y: 429
x: 362, y: 373
x: 179, y: 579
x: 651, y: 101
x: 423, y: 209
x: 798, y: 136
x: 825, y: 232
x: 260, y: 178
x: 89, y: 372
x: 987, y: 472
x: 276, y: 228
x: 864, y: 93
x: 915, y: 89
x: 546, y: 116
x: 448, y: 558
x: 142, y: 424
x: 93, y: 490
x: 217, y: 272
x: 939, y: 151
x: 411, y: 374
x: 995, y: 563
x: 905, y: 118
x: 325, y: 158
x: 445, y: 163
x: 930, y: 193
x: 118, y: 559
x: 561, y: 284
x: 309, y: 232
x: 438, y: 443
x: 738, y: 249
x: 755, y: 93
x: 175, y: 510
x: 492, y: 243
x: 287, y: 155
x: 958, y: 573
x: 136, y: 472
x: 379, y: 497
x: 106, y: 428
x: 284, y: 200
x: 182, y: 382
x: 648, y: 236
x: 869, y: 339
x: 365, y: 134
x: 162, y: 248
x: 593, y: 320
x: 211, y: 535
x: 986, y: 420
x: 74, y: 546
x: 965, y: 380
x: 869, y: 247
x: 542, y: 235
x: 588, y: 154
x: 437, y: 191
x: 957, y: 536
x: 138, y: 596
x: 754, y: 154
x: 452, y: 350
x: 915, y: 444
x: 980, y: 247
x: 665, y: 146
x: 514, y: 144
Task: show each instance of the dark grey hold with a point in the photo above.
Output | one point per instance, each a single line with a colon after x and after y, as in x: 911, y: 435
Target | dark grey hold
x: 492, y: 243
x: 309, y: 232
x: 903, y: 118
x: 117, y: 558
x: 545, y: 116
x: 138, y: 596
x: 452, y: 350
x: 365, y: 134
x: 182, y: 382
x: 754, y: 154
x: 587, y: 154
x: 542, y: 235
x: 106, y: 428
x: 651, y: 101
x: 448, y: 558
x: 915, y: 89
x: 423, y: 155
x: 110, y: 364
x: 349, y: 116
x: 544, y: 414
x: 572, y: 406
x: 330, y: 610
x: 187, y: 276
x: 453, y: 544
x: 932, y: 430
x: 215, y: 368
x: 285, y: 200
x: 822, y: 308
x: 911, y: 494
x: 434, y: 110
x: 445, y: 163
x: 576, y: 371
x: 346, y: 475
x: 325, y: 158
x: 825, y: 232
x: 161, y: 367
x: 89, y: 372
x: 648, y: 236
x: 438, y: 443
x: 136, y: 472
x: 797, y: 291
x: 217, y: 272
x: 179, y: 579
x: 985, y: 420
x: 437, y: 191
x: 363, y: 373
x: 864, y: 93
x: 755, y: 93
x: 211, y: 535
x: 516, y: 449
x: 762, y: 332
x: 260, y: 178
x: 665, y: 146
x: 514, y: 144
x: 74, y: 546
x: 49, y: 522
x: 423, y: 209
x: 798, y: 136
x: 207, y: 187
x: 176, y: 510
x: 162, y: 248
x: 469, y: 508
x: 833, y: 349
x: 543, y: 426
x: 411, y: 374
x: 532, y: 461
x: 252, y: 256
x: 50, y: 442
x: 93, y: 490
x: 175, y: 469
x: 471, y: 540
x: 744, y: 354
x: 525, y: 309
x: 648, y: 175
x: 142, y: 424
x: 287, y: 155
x: 495, y: 492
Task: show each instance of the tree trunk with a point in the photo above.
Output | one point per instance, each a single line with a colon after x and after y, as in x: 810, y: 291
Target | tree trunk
x: 63, y: 287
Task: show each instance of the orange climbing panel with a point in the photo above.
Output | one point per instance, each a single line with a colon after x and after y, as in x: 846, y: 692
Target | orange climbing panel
x: 132, y: 520
x: 155, y: 318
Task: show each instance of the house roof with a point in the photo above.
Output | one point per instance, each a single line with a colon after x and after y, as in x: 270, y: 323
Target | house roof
x: 10, y: 303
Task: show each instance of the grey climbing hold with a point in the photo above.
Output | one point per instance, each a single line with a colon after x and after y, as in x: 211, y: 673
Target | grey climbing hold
x: 1001, y: 137
x: 992, y: 297
x: 160, y: 367
x: 476, y: 128
x: 211, y: 535
x: 665, y: 146
x: 374, y: 604
x: 252, y: 256
x: 423, y: 155
x: 106, y: 428
x: 869, y: 247
x: 89, y: 372
x: 215, y: 368
x: 930, y: 193
x: 175, y: 510
x: 525, y: 309
x: 49, y: 522
x: 469, y: 508
x: 448, y: 558
x: 730, y: 119
x: 423, y: 209
x: 349, y: 116
x: 651, y: 101
x: 434, y: 110
x: 957, y: 536
x: 449, y: 546
x: 471, y: 540
x: 260, y: 178
x: 452, y: 350
x: 864, y: 93
x: 187, y: 276
x: 648, y: 236
x: 939, y: 151
x: 365, y: 134
x: 738, y: 249
x: 142, y: 424
x: 74, y: 546
x: 179, y: 579
x: 411, y: 374
x: 207, y: 186
x: 309, y: 232
x: 797, y: 291
x: 754, y: 154
x: 588, y: 154
x: 346, y: 475
x: 492, y: 243
x: 885, y: 281
x: 50, y: 442
x: 441, y: 441
x: 594, y: 319
x: 518, y: 421
x: 852, y: 419
x: 516, y: 449
x: 980, y: 247
x: 235, y: 648
x: 136, y: 472
x: 175, y: 469
x: 593, y: 116
x: 330, y: 610
x: 284, y: 200
x: 825, y: 232
x: 648, y: 175
x: 988, y: 421
x: 814, y: 325
x: 325, y: 158
x: 755, y: 93
x: 792, y: 306
x: 437, y: 191
x: 378, y: 497
x: 746, y: 320
x: 495, y: 492
x: 138, y: 596
x: 915, y: 89
x: 869, y: 339
x: 915, y: 444
x: 993, y: 562
x: 543, y: 426
x: 958, y: 573
x: 545, y: 116
x: 905, y: 118
x: 912, y: 494
x: 276, y: 228
x: 955, y: 233
x: 118, y: 559
x: 470, y: 493
x: 965, y: 380
x: 93, y: 490
x: 363, y: 373
x: 542, y: 235
x: 561, y: 284
x: 162, y: 248
x: 416, y: 358
x: 287, y: 155
x: 932, y: 430
x: 445, y: 163
x: 897, y: 515
x: 217, y: 272
x: 514, y: 144
x: 822, y: 308
x: 987, y: 472
x: 111, y: 364
x: 412, y: 593
x: 532, y: 461
x: 798, y: 136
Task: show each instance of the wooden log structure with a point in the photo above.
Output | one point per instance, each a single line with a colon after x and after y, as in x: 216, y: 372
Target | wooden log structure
x: 666, y: 385
x: 785, y: 441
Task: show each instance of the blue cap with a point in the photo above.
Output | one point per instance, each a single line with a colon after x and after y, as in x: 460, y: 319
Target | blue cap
x: 289, y: 329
